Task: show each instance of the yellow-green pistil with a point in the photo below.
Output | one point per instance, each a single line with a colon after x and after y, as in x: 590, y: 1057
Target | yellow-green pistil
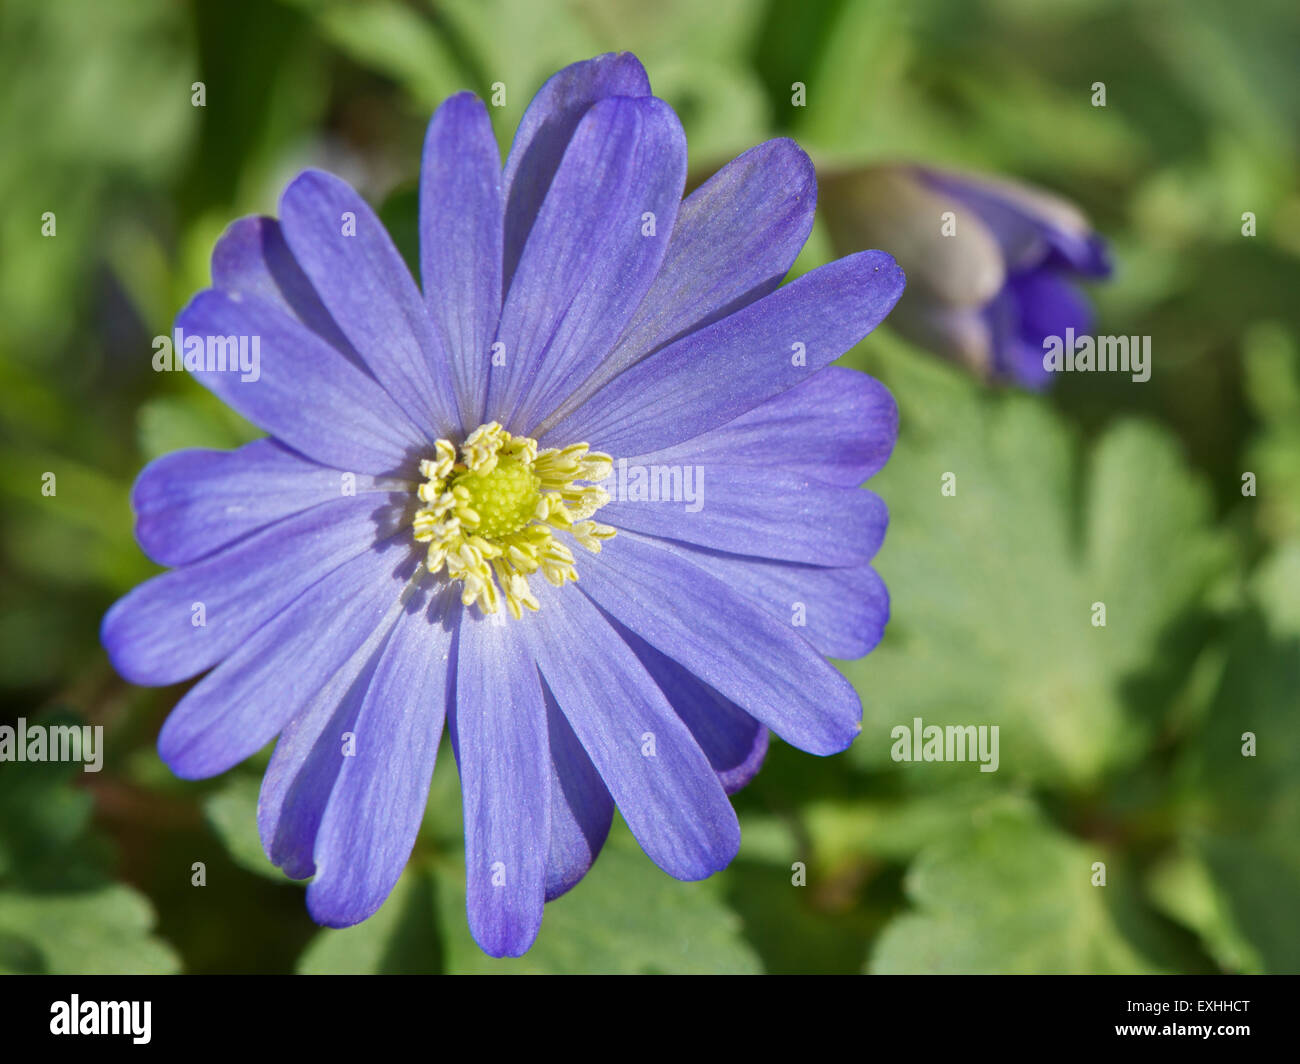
x: 490, y: 516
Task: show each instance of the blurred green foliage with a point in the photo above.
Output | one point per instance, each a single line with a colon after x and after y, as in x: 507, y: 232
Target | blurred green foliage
x: 1121, y: 744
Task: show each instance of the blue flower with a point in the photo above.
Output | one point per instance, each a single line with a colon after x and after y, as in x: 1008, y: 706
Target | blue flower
x: 591, y: 498
x: 994, y: 265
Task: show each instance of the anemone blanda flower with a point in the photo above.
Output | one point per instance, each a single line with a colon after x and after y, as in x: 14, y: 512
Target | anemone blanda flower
x: 426, y: 535
x: 989, y: 289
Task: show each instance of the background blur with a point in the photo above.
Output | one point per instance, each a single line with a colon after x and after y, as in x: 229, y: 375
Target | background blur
x: 1119, y: 744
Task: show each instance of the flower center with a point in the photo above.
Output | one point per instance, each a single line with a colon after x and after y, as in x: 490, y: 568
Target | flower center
x: 505, y: 498
x: 491, y: 514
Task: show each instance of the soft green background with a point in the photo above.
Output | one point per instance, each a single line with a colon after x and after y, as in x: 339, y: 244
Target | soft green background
x: 1120, y: 744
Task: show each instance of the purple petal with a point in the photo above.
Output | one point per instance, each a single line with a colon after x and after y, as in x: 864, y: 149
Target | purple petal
x: 305, y: 764
x: 461, y: 206
x: 190, y: 504
x: 747, y: 510
x: 1032, y: 226
x: 734, y: 742
x: 1048, y: 305
x: 151, y: 633
x: 306, y: 392
x: 842, y: 612
x: 736, y: 237
x: 713, y: 376
x: 252, y: 259
x: 588, y: 261
x: 838, y: 426
x: 581, y: 808
x: 1089, y: 256
x: 362, y: 280
x: 500, y: 737
x: 1032, y: 307
x: 545, y: 131
x: 376, y: 806
x: 659, y: 778
x: 270, y: 676
x: 693, y: 617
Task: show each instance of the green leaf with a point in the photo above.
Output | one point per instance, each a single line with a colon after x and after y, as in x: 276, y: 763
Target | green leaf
x: 814, y: 925
x: 1014, y: 896
x: 106, y: 931
x: 87, y: 515
x: 58, y: 915
x: 993, y: 588
x: 1271, y: 360
x: 42, y: 818
x: 1242, y: 819
x: 1182, y: 886
x: 73, y: 76
x: 893, y: 829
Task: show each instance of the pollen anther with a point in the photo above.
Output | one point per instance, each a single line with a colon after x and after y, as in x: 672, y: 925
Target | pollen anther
x: 490, y: 515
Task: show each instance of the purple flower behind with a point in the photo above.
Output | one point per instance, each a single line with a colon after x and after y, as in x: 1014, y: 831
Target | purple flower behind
x: 989, y: 282
x: 416, y: 543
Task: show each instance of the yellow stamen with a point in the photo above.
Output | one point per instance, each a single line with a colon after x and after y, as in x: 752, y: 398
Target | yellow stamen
x: 490, y: 517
